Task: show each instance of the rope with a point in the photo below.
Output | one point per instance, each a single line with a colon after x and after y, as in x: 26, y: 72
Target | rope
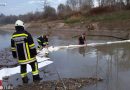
x: 60, y: 77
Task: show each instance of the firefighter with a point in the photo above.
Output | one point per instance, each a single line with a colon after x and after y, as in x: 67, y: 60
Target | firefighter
x: 23, y: 49
x: 42, y: 41
x: 82, y: 39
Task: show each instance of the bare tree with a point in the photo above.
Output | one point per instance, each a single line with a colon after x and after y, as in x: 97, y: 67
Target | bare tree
x: 64, y: 10
x: 61, y: 8
x: 73, y: 4
x: 99, y: 2
x: 127, y: 2
x: 78, y: 4
x: 87, y: 3
x: 45, y: 3
x: 49, y: 12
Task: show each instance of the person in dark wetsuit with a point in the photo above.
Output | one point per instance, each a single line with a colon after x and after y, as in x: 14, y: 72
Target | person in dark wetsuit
x: 82, y: 39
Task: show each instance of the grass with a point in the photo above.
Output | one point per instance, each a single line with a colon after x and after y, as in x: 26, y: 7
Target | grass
x: 73, y: 20
x: 107, y: 17
x: 114, y: 16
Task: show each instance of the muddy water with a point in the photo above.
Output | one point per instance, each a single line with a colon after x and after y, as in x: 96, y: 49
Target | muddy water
x: 110, y: 62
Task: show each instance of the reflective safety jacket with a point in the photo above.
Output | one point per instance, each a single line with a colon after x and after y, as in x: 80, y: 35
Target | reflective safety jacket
x: 23, y: 47
x: 42, y: 41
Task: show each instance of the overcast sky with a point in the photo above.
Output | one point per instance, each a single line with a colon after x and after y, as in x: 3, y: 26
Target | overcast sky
x: 16, y: 7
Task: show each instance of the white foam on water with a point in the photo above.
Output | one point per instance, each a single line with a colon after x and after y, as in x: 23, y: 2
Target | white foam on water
x: 56, y: 48
x: 51, y: 48
x: 107, y: 43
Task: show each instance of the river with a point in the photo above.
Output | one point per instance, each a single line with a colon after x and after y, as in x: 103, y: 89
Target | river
x: 110, y: 62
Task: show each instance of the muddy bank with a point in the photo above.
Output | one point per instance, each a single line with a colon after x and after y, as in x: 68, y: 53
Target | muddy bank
x: 115, y: 29
x: 65, y: 84
x: 60, y: 25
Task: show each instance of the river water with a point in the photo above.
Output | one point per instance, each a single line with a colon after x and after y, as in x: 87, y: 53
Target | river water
x: 109, y: 62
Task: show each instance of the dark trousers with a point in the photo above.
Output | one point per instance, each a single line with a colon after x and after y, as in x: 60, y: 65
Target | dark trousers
x: 34, y: 66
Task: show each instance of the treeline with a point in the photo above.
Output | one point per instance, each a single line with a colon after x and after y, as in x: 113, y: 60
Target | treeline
x: 26, y: 18
x: 91, y: 7
x: 118, y: 3
x: 49, y: 13
x: 70, y: 8
x: 7, y: 19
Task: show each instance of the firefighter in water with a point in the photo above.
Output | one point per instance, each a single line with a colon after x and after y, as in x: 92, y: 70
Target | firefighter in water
x: 23, y: 49
x: 42, y: 41
x: 43, y: 44
x: 82, y: 39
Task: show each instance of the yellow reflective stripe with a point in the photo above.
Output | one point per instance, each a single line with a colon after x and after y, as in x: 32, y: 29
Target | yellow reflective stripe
x: 24, y: 61
x: 32, y: 45
x: 38, y: 40
x: 17, y: 35
x: 44, y: 43
x: 28, y: 51
x: 36, y: 71
x: 13, y: 49
x: 23, y: 74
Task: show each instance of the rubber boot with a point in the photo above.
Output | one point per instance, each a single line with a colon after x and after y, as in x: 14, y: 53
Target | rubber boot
x: 36, y: 78
x: 25, y: 79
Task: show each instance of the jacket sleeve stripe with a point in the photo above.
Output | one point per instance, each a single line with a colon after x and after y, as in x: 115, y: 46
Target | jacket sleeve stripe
x: 32, y: 45
x: 38, y: 40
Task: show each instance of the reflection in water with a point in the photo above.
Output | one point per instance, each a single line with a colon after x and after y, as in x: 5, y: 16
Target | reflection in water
x: 114, y: 64
x: 82, y: 51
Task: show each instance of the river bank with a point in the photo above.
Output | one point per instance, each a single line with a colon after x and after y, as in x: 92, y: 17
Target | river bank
x: 119, y: 29
x: 65, y: 84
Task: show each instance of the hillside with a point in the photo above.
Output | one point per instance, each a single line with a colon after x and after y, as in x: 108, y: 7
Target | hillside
x: 114, y: 20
